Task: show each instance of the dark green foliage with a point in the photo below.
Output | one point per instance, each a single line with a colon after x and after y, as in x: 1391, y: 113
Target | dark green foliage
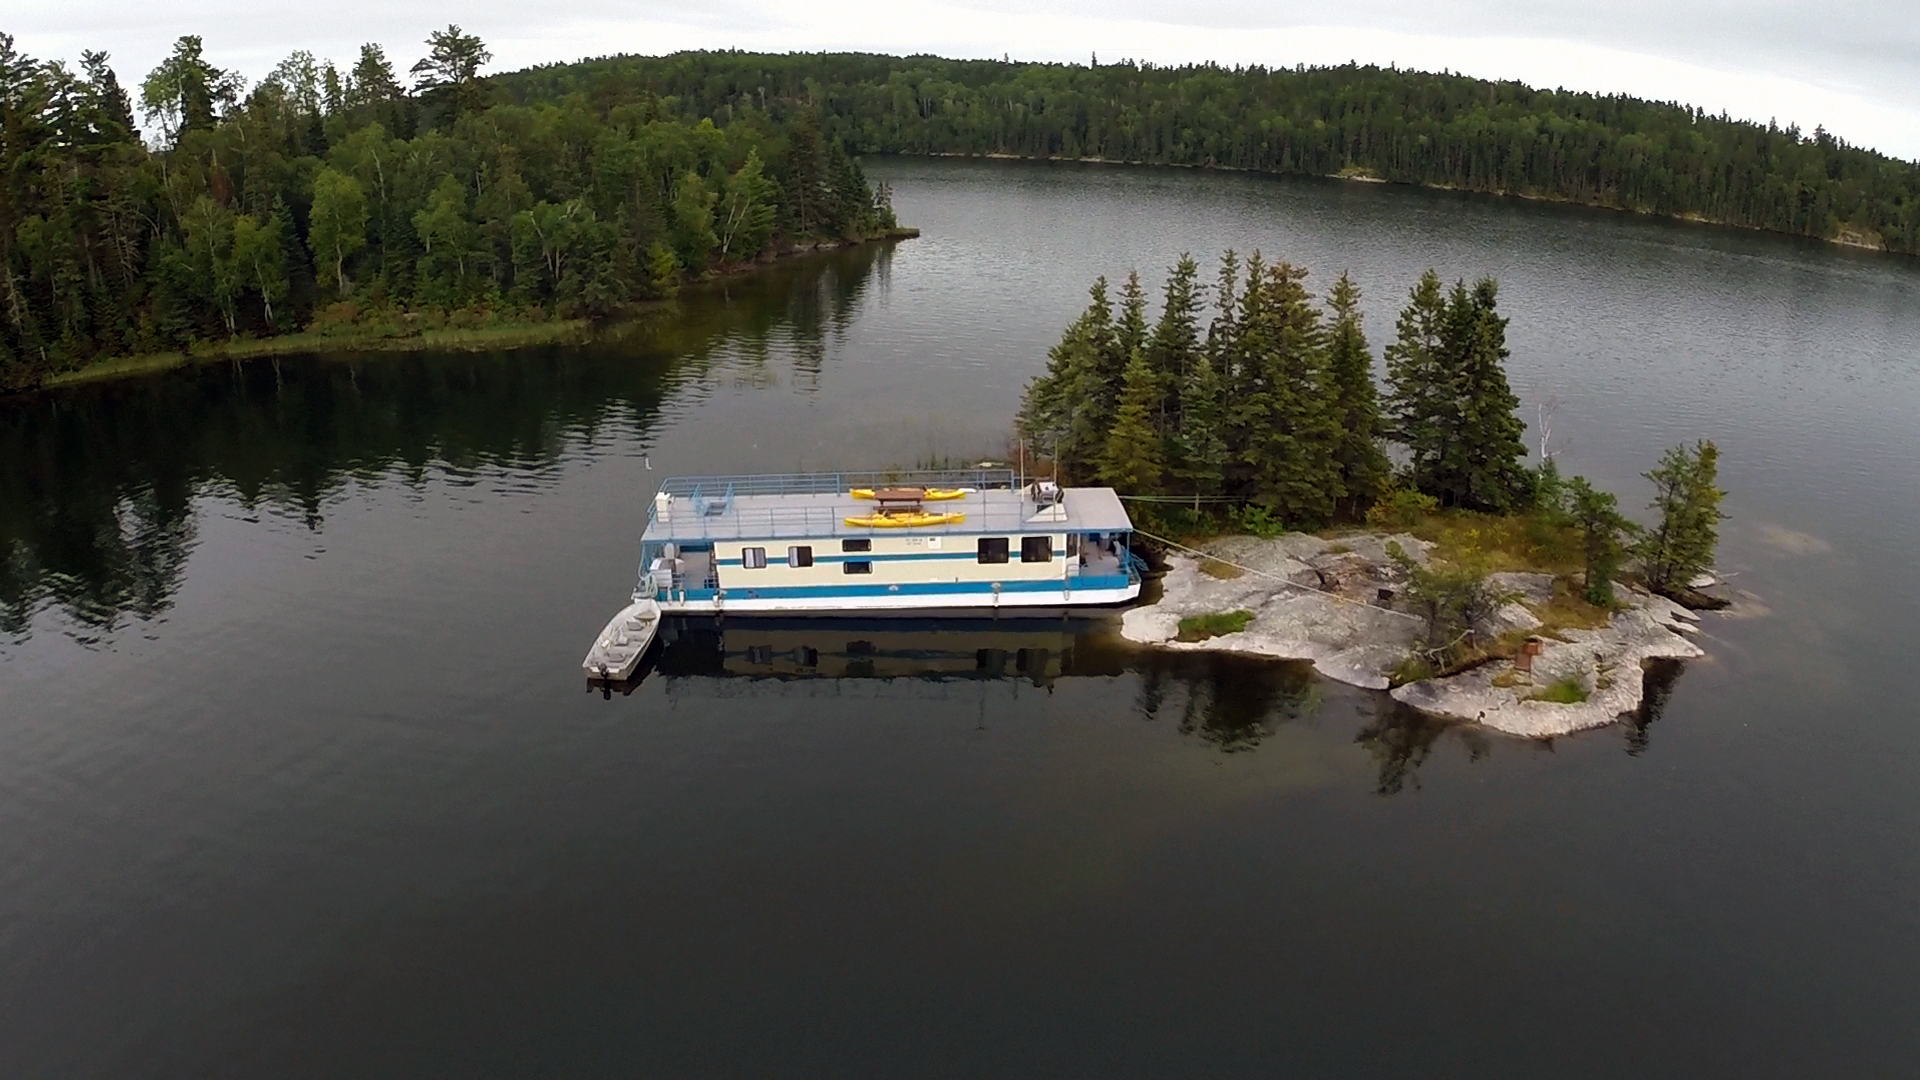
x: 1603, y: 535
x: 1449, y: 401
x: 1068, y: 411
x: 1279, y: 414
x: 1355, y: 403
x: 1681, y: 544
x: 1398, y: 125
x: 334, y: 197
x: 1132, y: 460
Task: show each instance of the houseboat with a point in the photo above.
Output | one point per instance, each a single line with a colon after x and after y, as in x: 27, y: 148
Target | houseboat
x: 970, y: 542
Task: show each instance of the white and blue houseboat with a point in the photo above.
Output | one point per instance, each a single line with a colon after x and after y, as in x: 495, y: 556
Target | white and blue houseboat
x: 972, y: 542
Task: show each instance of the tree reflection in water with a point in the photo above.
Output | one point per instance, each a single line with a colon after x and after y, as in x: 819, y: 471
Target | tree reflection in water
x: 1232, y: 702
x: 1662, y: 676
x: 97, y: 500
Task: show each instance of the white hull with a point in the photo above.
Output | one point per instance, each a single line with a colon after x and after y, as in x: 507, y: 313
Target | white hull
x: 617, y: 651
x: 1025, y: 602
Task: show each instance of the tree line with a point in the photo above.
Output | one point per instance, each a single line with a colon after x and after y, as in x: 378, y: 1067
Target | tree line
x: 1273, y: 413
x: 325, y: 196
x: 1397, y: 125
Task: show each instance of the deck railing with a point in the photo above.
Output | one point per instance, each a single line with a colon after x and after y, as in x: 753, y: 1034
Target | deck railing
x: 707, y: 507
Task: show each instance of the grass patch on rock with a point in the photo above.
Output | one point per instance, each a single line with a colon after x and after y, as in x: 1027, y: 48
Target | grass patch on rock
x: 1524, y: 542
x: 1214, y: 568
x: 1568, y: 691
x: 1202, y: 627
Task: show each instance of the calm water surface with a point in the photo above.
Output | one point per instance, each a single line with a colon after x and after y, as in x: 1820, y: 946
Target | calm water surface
x: 297, y: 777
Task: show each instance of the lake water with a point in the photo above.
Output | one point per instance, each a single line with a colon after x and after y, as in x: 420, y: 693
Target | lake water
x: 298, y: 777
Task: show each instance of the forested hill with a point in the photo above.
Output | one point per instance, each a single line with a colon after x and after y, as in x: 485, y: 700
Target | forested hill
x: 339, y: 200
x: 1403, y: 126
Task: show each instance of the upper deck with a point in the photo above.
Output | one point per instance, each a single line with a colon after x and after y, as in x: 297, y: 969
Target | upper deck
x: 816, y: 505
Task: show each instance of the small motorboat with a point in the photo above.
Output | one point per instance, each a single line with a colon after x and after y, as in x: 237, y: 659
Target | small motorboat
x: 927, y: 494
x: 616, y: 652
x: 904, y: 520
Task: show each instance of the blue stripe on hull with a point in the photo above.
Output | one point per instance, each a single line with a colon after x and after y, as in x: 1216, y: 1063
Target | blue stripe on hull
x: 926, y: 588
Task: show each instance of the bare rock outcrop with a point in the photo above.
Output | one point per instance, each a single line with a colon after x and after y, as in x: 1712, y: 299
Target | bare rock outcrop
x: 1320, y: 601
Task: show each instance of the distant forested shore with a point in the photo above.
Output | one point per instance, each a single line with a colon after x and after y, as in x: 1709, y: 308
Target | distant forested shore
x: 338, y: 204
x: 1365, y: 122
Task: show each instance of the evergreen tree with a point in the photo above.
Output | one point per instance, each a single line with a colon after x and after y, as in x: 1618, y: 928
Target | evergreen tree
x: 1363, y: 465
x: 187, y: 94
x: 1681, y: 544
x: 1199, y: 446
x: 1069, y: 410
x: 1480, y: 464
x: 809, y: 199
x: 1175, y: 345
x: 449, y: 75
x: 1420, y: 399
x: 1280, y: 416
x: 1603, y: 536
x: 1132, y: 459
x: 1131, y: 327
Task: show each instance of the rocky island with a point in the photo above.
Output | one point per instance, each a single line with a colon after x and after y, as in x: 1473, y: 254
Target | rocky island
x: 1339, y: 604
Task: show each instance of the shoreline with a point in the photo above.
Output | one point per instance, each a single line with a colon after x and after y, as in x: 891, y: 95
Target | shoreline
x: 506, y: 334
x: 1304, y: 598
x: 1846, y: 239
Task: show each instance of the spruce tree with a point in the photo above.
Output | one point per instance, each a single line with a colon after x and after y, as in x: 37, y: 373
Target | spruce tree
x: 1175, y: 344
x: 1354, y: 401
x: 1681, y: 544
x: 1069, y: 410
x: 1132, y: 460
x: 1480, y: 463
x: 1603, y: 536
x: 1419, y: 399
x: 1199, y: 444
x: 1279, y: 410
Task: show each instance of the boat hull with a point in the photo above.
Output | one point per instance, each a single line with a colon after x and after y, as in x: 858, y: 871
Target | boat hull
x: 616, y: 653
x: 912, y: 602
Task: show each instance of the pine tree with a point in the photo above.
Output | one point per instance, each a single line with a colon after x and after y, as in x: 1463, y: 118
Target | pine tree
x: 1681, y: 545
x: 1363, y: 465
x: 1604, y: 534
x: 1132, y: 459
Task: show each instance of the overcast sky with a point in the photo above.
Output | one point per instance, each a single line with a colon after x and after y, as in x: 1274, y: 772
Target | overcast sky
x: 1853, y: 66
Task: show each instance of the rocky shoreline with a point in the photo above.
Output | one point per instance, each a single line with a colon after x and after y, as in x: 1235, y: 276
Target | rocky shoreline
x: 1322, y: 601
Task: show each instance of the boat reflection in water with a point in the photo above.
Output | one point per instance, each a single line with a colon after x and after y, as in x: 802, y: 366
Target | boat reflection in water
x: 885, y: 648
x: 1232, y: 703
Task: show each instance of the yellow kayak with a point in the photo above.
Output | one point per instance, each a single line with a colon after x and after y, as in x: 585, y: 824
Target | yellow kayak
x: 930, y: 494
x: 905, y: 521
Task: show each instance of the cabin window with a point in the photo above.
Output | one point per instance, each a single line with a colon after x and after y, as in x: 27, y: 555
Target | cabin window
x: 753, y: 558
x: 993, y: 549
x: 856, y: 545
x: 1036, y: 549
x: 800, y: 556
x: 857, y: 566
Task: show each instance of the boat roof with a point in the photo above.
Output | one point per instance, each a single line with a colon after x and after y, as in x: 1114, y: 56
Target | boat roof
x: 799, y: 506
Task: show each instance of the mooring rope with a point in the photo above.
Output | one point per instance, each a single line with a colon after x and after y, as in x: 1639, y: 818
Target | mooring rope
x: 1276, y: 577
